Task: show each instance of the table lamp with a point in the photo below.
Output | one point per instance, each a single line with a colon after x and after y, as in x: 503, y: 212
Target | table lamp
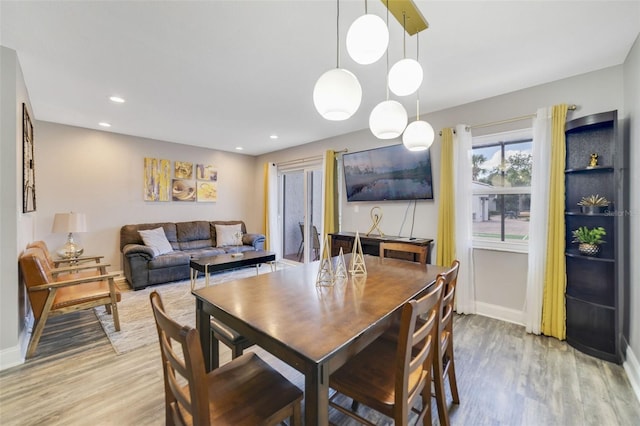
x: 70, y: 223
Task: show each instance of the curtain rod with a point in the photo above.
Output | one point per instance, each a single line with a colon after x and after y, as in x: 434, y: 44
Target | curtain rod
x: 305, y: 160
x: 508, y: 120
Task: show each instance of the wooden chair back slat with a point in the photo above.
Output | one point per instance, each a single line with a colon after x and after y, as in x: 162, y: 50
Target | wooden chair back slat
x: 421, y: 251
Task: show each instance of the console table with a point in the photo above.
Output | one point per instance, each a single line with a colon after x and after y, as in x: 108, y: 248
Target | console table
x: 371, y: 244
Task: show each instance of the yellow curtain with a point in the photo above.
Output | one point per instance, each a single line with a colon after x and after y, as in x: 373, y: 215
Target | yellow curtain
x: 265, y: 219
x: 555, y: 278
x: 330, y: 191
x: 445, y: 242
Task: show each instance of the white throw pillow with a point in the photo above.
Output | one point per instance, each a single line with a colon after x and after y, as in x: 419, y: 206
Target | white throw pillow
x: 156, y: 240
x: 228, y: 235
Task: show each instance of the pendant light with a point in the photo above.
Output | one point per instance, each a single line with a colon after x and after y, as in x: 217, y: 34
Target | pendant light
x: 419, y: 135
x: 337, y: 93
x: 367, y: 38
x: 389, y: 118
x: 405, y: 76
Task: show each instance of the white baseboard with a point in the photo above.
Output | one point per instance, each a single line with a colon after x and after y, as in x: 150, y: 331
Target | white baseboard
x: 632, y: 367
x: 10, y: 357
x: 500, y: 312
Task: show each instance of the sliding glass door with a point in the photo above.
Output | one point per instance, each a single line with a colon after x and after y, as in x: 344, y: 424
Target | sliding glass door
x: 300, y: 198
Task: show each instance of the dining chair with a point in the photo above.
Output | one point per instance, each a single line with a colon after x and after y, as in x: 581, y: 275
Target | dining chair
x: 245, y: 391
x: 390, y: 375
x: 316, y: 242
x: 420, y: 251
x: 229, y: 337
x: 444, y: 365
x: 52, y: 295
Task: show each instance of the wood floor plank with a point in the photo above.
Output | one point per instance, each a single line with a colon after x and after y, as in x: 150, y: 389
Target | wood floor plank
x: 505, y: 377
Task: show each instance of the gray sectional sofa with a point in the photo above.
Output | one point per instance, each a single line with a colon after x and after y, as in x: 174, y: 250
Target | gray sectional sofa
x: 142, y: 267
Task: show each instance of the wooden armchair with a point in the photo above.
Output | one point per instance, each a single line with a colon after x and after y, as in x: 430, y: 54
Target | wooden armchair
x: 51, y: 294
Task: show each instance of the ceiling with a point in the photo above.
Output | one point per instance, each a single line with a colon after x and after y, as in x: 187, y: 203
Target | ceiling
x: 223, y: 74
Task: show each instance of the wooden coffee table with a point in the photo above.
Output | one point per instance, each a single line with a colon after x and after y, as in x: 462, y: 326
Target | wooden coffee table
x: 223, y: 262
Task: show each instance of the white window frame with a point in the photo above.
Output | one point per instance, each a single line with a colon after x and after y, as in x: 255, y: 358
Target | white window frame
x: 492, y: 139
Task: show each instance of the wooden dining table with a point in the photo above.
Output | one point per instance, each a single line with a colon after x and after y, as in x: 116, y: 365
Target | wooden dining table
x: 314, y: 329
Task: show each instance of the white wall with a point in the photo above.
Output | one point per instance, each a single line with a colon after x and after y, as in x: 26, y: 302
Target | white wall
x: 15, y: 228
x: 101, y: 174
x: 503, y: 295
x: 632, y: 115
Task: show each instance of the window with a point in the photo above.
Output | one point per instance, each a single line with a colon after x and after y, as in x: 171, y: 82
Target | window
x: 501, y: 187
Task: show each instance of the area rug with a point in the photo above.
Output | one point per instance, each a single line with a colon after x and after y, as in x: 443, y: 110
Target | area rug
x: 137, y: 326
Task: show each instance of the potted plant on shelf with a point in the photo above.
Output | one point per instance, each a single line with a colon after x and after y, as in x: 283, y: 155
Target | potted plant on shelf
x: 589, y: 240
x: 593, y: 204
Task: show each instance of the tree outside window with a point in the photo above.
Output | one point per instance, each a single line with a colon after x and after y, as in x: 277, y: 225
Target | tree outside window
x: 501, y: 175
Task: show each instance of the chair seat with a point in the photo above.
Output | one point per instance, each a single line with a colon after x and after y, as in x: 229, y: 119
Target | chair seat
x: 369, y: 373
x: 241, y: 392
x: 225, y: 332
x: 82, y: 293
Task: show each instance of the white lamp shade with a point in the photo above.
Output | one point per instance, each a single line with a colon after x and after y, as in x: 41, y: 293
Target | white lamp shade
x: 337, y: 94
x: 405, y: 77
x: 69, y: 222
x: 388, y: 120
x: 418, y: 136
x: 367, y: 39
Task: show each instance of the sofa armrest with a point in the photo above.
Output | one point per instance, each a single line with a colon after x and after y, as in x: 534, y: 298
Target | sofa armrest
x: 255, y: 240
x: 138, y: 249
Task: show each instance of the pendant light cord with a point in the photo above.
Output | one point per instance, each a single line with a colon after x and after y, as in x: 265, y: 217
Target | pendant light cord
x: 338, y: 34
x: 387, y: 79
x: 404, y: 35
x: 418, y: 91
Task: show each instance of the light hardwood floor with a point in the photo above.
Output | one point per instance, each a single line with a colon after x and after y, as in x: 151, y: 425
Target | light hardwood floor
x: 505, y: 377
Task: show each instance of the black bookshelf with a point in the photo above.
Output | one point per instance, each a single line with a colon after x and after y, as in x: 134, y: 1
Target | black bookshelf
x: 596, y: 285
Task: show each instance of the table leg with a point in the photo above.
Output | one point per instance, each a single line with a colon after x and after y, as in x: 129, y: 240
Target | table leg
x: 316, y: 395
x: 193, y: 274
x: 204, y: 330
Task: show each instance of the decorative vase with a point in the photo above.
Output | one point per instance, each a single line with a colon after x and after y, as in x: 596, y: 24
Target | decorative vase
x: 592, y: 209
x: 589, y: 249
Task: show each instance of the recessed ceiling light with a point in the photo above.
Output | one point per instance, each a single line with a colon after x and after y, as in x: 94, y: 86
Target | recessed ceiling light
x: 239, y: 148
x: 274, y: 136
x: 104, y: 124
x: 116, y: 99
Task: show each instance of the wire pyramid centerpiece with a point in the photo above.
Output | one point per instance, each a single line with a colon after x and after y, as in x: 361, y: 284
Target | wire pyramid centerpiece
x: 357, y: 266
x: 326, y: 277
x: 341, y: 267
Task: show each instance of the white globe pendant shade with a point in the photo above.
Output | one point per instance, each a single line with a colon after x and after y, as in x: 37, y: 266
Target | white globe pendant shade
x: 367, y: 39
x: 418, y: 136
x: 405, y: 77
x: 337, y: 94
x: 388, y: 120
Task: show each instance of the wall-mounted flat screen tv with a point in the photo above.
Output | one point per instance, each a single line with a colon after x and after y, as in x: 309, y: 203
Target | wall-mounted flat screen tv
x: 388, y: 173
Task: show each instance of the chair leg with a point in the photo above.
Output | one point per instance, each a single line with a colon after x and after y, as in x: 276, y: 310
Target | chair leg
x: 215, y: 352
x: 427, y: 419
x: 116, y: 316
x: 300, y: 251
x: 438, y: 381
x: 39, y: 327
x: 451, y: 373
x: 236, y: 351
x: 296, y: 418
x: 35, y: 337
x: 107, y: 309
